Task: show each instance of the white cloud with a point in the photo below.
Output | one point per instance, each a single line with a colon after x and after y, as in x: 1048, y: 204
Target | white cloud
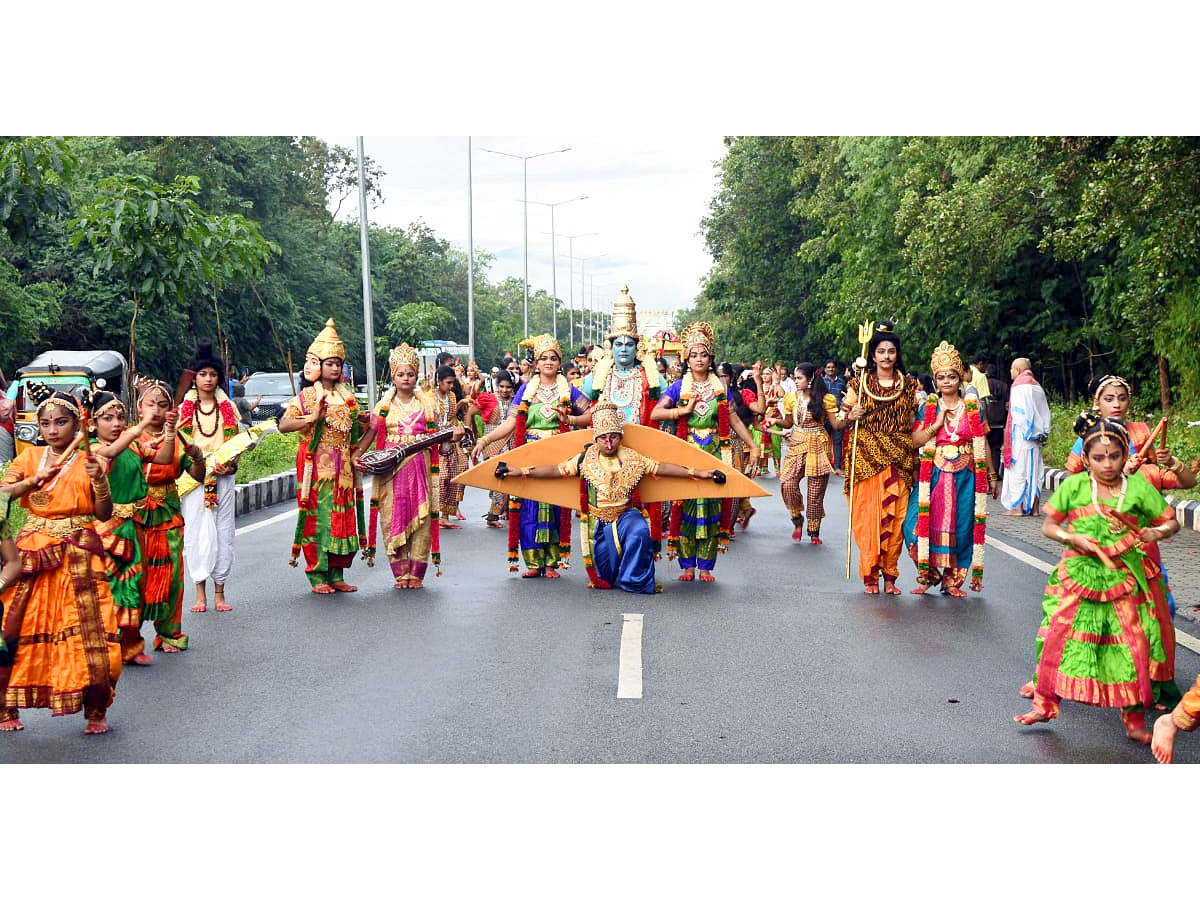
x: 646, y: 197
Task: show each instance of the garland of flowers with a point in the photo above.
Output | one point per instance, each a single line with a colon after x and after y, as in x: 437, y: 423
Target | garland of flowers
x: 925, y: 481
x: 433, y: 488
x: 355, y: 428
x: 187, y: 427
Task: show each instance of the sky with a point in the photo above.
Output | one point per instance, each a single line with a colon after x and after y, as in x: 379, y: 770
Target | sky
x: 640, y: 221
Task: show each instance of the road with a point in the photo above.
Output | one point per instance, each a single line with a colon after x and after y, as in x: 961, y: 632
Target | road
x: 782, y: 660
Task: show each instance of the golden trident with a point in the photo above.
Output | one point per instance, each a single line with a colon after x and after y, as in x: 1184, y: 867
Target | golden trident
x: 865, y: 330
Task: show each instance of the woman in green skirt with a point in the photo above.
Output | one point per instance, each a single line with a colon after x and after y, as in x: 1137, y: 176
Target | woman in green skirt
x: 1100, y: 641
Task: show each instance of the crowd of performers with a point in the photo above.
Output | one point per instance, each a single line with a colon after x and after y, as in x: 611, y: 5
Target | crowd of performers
x: 107, y: 532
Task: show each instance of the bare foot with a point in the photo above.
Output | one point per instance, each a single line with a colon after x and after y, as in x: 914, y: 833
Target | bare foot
x: 889, y: 586
x: 168, y: 648
x: 323, y: 589
x: 954, y: 592
x: 96, y: 726
x: 221, y: 605
x: 201, y: 607
x: 453, y: 526
x: 707, y: 576
x: 15, y: 725
x: 870, y: 589
x: 553, y: 573
x: 919, y: 589
x: 816, y: 540
x: 1138, y: 733
x: 746, y: 521
x: 342, y: 588
x: 1162, y: 744
x: 1012, y: 512
x: 142, y: 660
x: 688, y: 575
x: 1026, y: 690
x: 1031, y: 718
x: 532, y: 573
x: 798, y: 533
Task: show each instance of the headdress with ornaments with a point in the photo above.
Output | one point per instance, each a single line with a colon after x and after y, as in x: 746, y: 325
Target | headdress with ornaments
x: 624, y: 318
x: 1093, y: 427
x: 541, y: 343
x: 698, y: 333
x: 44, y: 395
x: 606, y: 419
x: 327, y: 344
x: 144, y: 386
x: 404, y: 355
x: 1101, y: 382
x: 100, y: 402
x: 946, y: 359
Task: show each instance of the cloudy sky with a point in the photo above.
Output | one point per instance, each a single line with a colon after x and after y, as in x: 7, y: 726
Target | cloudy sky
x: 645, y: 196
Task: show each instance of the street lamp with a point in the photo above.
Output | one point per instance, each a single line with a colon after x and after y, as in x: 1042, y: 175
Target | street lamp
x: 525, y: 191
x: 603, y: 318
x: 571, y: 279
x: 583, y: 287
x: 554, y: 260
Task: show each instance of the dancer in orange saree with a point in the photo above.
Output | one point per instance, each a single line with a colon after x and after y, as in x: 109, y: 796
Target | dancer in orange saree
x: 61, y: 648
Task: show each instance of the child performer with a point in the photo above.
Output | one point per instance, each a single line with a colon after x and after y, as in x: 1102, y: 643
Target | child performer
x: 60, y: 645
x: 623, y: 550
x: 208, y: 418
x: 1103, y: 644
x: 806, y: 412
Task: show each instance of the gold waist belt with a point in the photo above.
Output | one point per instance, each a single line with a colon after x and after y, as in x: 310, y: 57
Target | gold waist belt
x: 606, y: 513
x: 702, y: 432
x: 124, y: 510
x: 59, y: 528
x: 157, y: 492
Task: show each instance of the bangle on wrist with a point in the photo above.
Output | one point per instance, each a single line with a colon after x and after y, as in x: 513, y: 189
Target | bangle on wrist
x: 1063, y: 537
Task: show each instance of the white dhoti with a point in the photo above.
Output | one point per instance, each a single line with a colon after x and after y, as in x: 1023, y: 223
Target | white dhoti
x: 1029, y: 425
x: 208, y: 533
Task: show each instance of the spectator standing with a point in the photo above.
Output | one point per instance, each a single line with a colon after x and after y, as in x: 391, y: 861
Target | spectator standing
x: 1025, y: 432
x: 997, y: 415
x: 835, y: 384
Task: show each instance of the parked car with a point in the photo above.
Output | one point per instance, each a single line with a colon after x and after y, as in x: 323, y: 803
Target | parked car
x: 65, y: 370
x: 277, y: 391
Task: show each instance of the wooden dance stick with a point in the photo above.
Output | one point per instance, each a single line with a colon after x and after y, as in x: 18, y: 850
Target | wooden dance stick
x: 1160, y: 429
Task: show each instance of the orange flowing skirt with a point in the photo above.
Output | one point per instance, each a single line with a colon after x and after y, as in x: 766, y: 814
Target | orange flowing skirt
x: 878, y: 516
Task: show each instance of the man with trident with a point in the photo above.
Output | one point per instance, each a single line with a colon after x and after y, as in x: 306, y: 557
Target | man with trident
x: 880, y: 472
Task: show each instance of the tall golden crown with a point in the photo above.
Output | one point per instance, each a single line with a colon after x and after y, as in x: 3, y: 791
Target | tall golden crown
x: 946, y: 359
x: 404, y: 355
x: 698, y: 333
x: 544, y: 342
x: 327, y: 344
x: 606, y: 418
x: 624, y: 317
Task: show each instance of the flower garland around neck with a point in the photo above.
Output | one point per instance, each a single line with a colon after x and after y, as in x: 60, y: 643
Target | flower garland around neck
x: 520, y: 435
x: 190, y: 412
x: 970, y: 414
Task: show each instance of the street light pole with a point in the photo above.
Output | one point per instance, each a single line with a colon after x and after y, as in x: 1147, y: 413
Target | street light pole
x: 583, y: 290
x: 470, y: 262
x: 554, y: 259
x: 368, y: 313
x: 525, y: 201
x: 571, y: 279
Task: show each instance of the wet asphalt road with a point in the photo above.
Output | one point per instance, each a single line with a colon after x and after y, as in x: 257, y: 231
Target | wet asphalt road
x: 781, y: 661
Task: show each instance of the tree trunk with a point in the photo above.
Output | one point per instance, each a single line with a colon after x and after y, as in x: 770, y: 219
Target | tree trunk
x: 133, y: 337
x: 1164, y: 384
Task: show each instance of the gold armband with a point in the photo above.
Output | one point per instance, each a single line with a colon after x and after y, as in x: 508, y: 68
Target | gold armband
x: 1063, y: 537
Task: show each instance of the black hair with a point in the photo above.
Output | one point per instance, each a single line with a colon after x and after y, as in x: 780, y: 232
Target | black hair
x: 885, y: 332
x: 1091, y: 427
x: 506, y: 376
x: 205, y: 357
x: 816, y: 391
x: 1095, y: 384
x: 734, y: 371
x: 927, y: 384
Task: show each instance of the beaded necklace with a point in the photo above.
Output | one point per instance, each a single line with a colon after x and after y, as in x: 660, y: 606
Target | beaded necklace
x: 1115, y: 526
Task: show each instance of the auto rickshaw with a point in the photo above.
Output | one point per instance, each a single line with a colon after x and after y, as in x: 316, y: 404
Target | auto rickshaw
x: 66, y: 370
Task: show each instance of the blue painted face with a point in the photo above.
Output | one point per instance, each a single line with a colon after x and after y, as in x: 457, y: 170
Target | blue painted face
x: 624, y: 351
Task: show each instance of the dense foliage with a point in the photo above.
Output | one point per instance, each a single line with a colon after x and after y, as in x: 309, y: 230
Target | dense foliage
x: 1079, y: 253
x: 234, y: 238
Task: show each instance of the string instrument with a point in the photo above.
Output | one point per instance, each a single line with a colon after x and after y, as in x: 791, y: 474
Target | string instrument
x: 387, y: 460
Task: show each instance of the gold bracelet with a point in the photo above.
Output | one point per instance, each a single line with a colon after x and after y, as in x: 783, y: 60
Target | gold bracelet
x: 691, y: 472
x: 1178, y: 467
x: 1063, y: 537
x: 102, y: 491
x: 525, y: 470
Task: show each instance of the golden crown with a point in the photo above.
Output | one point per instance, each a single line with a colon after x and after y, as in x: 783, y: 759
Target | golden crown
x: 946, y: 359
x: 544, y: 342
x: 624, y: 317
x: 327, y: 344
x: 44, y: 395
x: 606, y: 418
x: 404, y: 355
x: 698, y: 333
x: 143, y: 385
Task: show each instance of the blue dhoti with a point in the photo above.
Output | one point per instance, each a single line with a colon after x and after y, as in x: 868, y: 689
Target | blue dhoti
x: 624, y: 554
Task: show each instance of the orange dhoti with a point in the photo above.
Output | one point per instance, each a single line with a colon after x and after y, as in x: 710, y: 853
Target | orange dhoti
x: 877, y: 517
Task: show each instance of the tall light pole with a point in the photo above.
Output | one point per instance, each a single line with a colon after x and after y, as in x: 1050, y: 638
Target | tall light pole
x: 601, y: 320
x: 470, y: 262
x: 554, y: 261
x: 525, y: 192
x: 368, y: 316
x: 571, y: 280
x: 583, y: 289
